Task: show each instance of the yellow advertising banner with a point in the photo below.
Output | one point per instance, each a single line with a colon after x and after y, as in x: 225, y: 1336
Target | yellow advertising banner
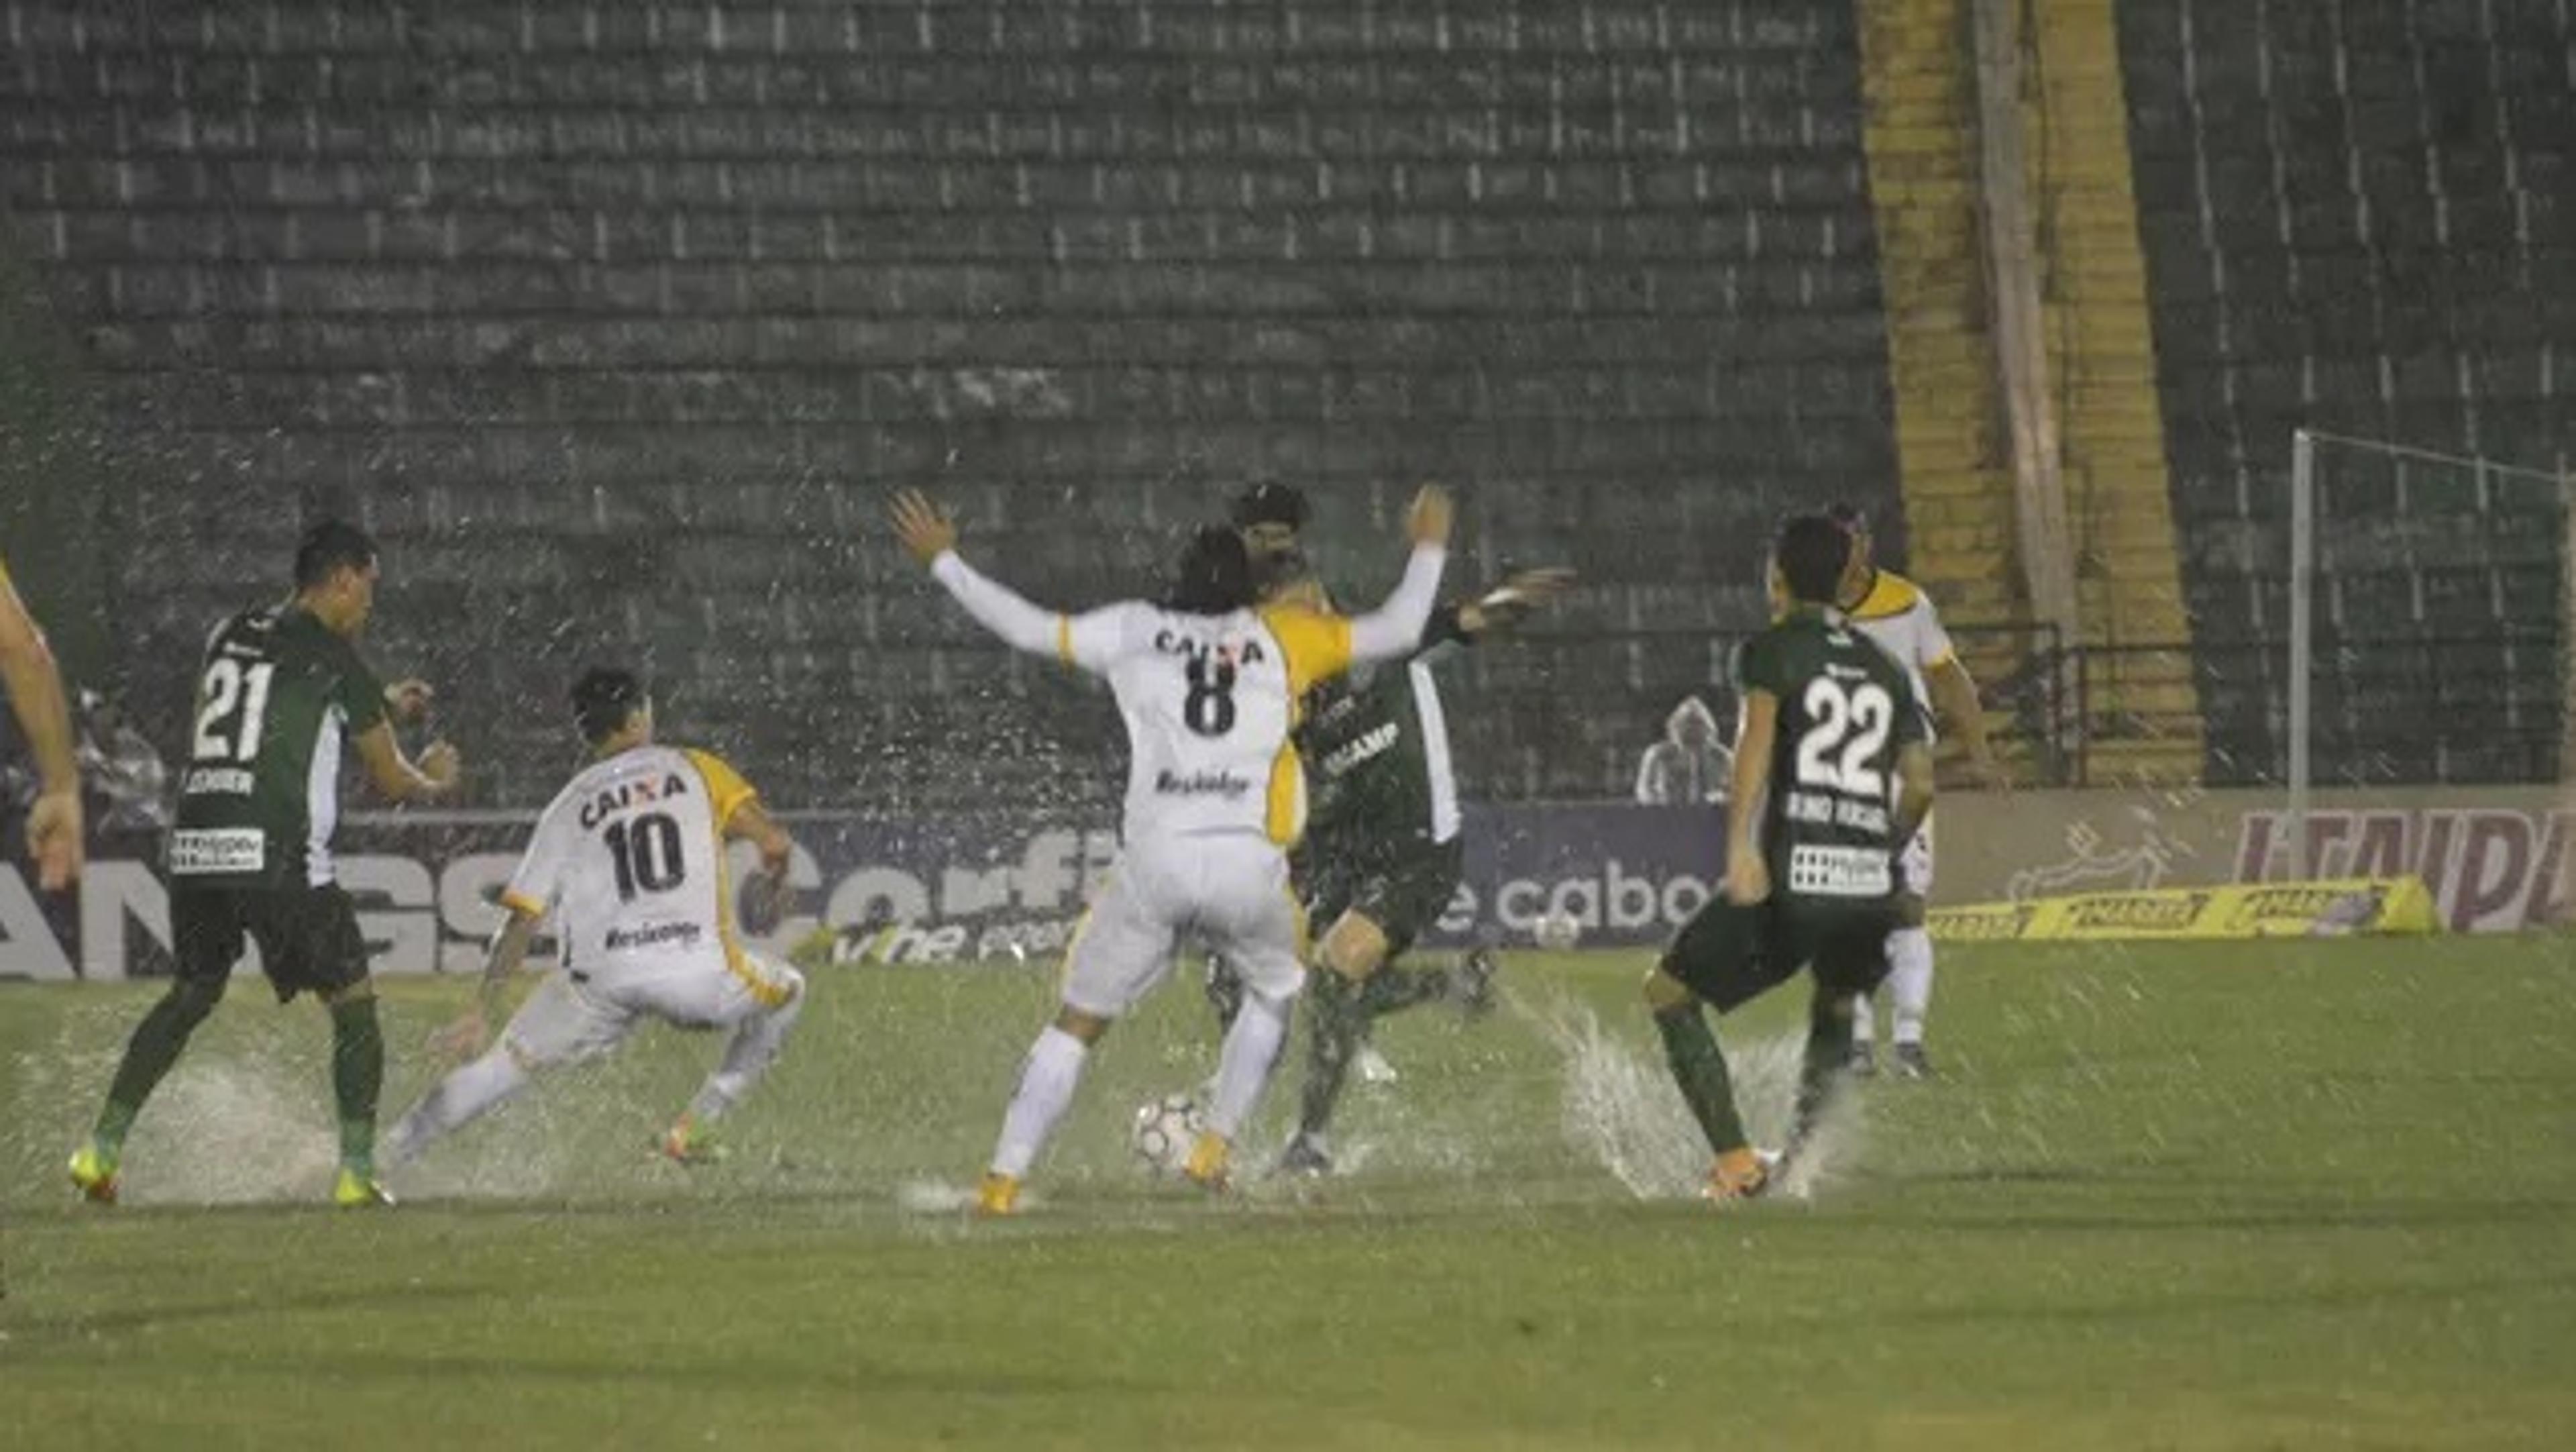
x: 2387, y: 906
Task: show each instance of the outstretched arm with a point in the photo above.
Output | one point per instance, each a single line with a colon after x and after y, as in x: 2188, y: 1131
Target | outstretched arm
x: 1395, y: 627
x: 399, y: 779
x: 1000, y: 609
x: 927, y: 531
x: 1497, y: 611
x: 1913, y: 790
x: 1954, y: 698
x: 467, y: 1036
x: 54, y: 831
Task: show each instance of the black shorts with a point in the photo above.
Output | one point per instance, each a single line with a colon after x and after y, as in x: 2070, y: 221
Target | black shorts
x: 1731, y: 955
x: 308, y: 936
x: 1402, y: 887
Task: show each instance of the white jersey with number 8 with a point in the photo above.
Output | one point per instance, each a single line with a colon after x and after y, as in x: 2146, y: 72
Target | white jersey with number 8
x: 630, y: 858
x: 1208, y: 702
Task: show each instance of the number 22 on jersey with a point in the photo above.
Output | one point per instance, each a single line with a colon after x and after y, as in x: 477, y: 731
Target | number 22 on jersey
x: 1851, y: 721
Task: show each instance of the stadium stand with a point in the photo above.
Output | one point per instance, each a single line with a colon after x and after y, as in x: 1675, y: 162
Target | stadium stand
x: 618, y: 321
x: 2359, y: 217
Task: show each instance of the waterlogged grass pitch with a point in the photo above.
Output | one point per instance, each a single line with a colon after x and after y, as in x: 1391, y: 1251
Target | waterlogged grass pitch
x: 2316, y: 1194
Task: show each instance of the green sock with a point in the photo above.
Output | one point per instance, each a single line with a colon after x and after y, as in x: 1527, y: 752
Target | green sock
x: 1829, y: 1041
x: 1699, y: 1067
x: 357, y: 1076
x: 1391, y: 989
x: 1337, y: 1017
x: 155, y: 1046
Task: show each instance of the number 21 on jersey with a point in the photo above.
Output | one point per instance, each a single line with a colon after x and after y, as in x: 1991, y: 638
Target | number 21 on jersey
x: 232, y: 696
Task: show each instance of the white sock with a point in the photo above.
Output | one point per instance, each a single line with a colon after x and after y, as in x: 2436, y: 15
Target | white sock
x: 1864, y: 1019
x: 458, y: 1100
x: 754, y: 1048
x: 1243, y: 1066
x: 1046, y: 1086
x: 1909, y: 981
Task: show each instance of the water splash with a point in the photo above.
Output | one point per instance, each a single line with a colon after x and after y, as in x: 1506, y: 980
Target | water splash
x: 1620, y: 1109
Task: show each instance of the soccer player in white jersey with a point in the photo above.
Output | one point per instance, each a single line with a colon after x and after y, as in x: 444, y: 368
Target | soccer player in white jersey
x: 1894, y: 612
x: 630, y: 859
x: 1208, y: 684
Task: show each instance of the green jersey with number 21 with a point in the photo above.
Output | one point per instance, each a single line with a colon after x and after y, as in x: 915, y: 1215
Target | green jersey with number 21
x: 277, y: 698
x: 1846, y: 710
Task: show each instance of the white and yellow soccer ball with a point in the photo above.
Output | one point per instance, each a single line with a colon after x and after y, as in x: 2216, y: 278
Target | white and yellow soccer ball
x: 1557, y: 931
x: 1164, y: 1131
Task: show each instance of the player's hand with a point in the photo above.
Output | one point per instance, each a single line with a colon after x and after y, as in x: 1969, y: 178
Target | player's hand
x: 462, y: 1039
x: 1985, y: 774
x: 1429, y: 520
x: 409, y: 700
x: 56, y: 838
x: 924, y: 528
x: 1748, y: 879
x: 766, y: 897
x: 1521, y: 593
x: 440, y: 765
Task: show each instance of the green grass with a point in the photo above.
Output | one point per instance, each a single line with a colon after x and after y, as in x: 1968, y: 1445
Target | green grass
x: 2306, y: 1195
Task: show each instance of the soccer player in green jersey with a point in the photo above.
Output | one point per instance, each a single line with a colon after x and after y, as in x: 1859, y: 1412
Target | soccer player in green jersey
x: 1382, y: 855
x: 1833, y: 773
x: 279, y: 693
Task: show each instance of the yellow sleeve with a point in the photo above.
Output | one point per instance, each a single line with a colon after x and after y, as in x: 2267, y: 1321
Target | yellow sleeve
x: 1318, y: 645
x: 726, y: 790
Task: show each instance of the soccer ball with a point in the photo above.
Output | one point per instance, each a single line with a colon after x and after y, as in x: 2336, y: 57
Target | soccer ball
x: 1164, y: 1131
x: 1557, y: 931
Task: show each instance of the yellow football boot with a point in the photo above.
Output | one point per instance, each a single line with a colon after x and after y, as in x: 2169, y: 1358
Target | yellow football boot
x: 997, y: 1197
x: 94, y: 1175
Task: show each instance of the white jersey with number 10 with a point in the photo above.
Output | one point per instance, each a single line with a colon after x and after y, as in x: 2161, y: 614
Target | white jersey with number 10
x: 630, y: 857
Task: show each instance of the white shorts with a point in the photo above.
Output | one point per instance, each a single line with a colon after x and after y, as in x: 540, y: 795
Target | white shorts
x: 1229, y: 890
x: 1914, y: 864
x: 574, y: 1015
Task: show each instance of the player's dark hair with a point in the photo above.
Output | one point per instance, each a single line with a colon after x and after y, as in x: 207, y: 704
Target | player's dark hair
x: 1214, y: 575
x: 604, y: 700
x: 1850, y: 517
x: 1811, y: 551
x: 1268, y: 501
x: 328, y: 546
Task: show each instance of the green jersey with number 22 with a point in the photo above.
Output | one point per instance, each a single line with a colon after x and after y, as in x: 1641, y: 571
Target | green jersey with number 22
x: 277, y: 697
x: 1846, y: 710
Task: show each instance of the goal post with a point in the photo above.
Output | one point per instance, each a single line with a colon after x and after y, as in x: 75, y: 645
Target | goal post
x: 2430, y: 513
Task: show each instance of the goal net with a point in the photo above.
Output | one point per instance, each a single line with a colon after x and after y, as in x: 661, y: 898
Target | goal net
x: 2429, y: 601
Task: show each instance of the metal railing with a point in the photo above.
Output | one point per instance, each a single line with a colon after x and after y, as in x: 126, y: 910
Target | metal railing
x: 2432, y: 708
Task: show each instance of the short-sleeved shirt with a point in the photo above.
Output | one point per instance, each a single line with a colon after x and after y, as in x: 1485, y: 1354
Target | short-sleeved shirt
x: 1895, y: 613
x: 1209, y: 702
x: 278, y: 696
x: 1846, y: 709
x: 630, y: 859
